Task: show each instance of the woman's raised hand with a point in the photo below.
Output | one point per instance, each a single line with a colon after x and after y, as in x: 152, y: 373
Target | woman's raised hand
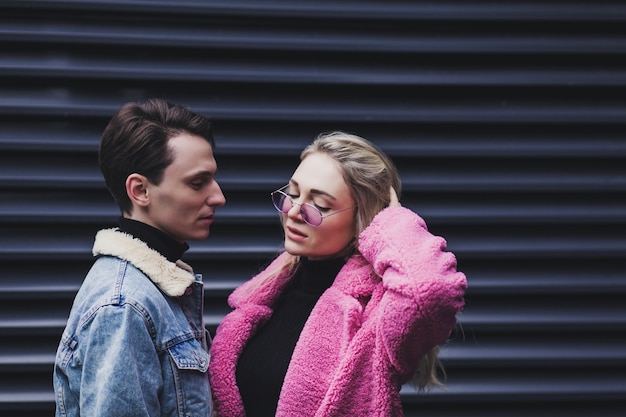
x: 393, y: 201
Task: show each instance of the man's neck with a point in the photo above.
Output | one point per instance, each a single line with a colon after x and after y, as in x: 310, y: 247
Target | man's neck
x: 154, y: 238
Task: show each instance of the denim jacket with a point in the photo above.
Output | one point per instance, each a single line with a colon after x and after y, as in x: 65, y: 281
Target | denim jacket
x: 135, y: 342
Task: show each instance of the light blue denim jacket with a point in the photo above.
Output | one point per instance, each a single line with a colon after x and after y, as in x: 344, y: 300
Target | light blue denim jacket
x: 135, y: 342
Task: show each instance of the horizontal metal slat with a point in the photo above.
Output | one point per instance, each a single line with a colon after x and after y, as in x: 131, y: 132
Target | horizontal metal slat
x: 302, y: 39
x: 605, y: 11
x: 600, y: 11
x: 433, y: 112
x: 110, y: 68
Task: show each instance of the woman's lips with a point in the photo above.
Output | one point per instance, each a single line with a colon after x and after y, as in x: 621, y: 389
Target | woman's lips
x: 295, y: 234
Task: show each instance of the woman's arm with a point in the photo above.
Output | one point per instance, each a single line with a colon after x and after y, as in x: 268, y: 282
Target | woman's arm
x: 423, y: 290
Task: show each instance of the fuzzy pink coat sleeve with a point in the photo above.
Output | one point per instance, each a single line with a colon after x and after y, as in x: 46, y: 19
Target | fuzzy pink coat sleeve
x: 423, y: 289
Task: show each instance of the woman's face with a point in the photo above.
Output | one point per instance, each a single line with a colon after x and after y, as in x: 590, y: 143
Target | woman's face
x: 318, y: 181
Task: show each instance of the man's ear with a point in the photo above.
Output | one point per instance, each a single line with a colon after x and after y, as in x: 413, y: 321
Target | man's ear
x: 137, y: 189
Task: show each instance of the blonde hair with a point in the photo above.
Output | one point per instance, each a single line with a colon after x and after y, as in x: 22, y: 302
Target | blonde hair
x: 369, y: 174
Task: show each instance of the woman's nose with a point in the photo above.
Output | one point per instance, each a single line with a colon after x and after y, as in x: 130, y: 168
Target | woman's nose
x: 295, y: 210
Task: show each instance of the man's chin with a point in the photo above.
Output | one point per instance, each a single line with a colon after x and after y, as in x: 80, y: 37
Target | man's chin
x: 198, y: 235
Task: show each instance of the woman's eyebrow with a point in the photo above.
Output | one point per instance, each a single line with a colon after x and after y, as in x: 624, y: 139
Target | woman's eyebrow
x: 314, y: 191
x: 320, y: 192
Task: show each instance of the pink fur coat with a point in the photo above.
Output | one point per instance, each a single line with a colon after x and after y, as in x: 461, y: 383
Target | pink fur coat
x: 366, y: 334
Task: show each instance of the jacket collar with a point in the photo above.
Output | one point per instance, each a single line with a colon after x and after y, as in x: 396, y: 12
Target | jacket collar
x: 172, y: 278
x: 154, y: 238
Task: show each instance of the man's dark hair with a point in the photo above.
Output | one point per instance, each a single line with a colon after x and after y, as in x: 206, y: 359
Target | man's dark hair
x: 136, y: 141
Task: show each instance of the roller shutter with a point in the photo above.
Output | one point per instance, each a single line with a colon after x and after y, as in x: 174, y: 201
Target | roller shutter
x: 506, y: 120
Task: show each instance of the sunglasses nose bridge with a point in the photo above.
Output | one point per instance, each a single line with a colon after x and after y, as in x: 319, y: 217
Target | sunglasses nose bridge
x: 289, y: 204
x: 311, y: 215
x: 307, y: 212
x: 303, y: 210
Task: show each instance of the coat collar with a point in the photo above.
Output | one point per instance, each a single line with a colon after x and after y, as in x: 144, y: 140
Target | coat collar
x: 356, y: 279
x: 253, y: 302
x: 172, y: 278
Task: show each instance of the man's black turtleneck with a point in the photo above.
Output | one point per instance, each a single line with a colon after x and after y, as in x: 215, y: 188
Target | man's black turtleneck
x: 264, y: 361
x: 154, y: 238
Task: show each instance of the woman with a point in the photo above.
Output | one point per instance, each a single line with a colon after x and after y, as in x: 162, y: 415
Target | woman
x: 359, y: 300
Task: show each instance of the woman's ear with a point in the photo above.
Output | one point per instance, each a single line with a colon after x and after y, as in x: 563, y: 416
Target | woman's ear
x: 137, y: 189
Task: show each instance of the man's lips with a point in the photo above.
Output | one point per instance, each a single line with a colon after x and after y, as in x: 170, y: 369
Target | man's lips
x: 208, y: 217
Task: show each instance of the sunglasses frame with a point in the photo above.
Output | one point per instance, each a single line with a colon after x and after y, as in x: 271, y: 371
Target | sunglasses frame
x: 303, y: 213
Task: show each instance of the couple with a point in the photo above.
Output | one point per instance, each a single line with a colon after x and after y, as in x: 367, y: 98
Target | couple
x: 354, y: 307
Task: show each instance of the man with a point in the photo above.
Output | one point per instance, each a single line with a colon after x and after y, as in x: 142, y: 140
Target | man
x: 135, y: 342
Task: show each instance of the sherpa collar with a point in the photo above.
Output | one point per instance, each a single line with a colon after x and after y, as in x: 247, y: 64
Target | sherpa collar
x: 172, y: 278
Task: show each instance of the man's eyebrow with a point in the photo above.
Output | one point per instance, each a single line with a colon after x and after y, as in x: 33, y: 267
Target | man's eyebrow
x: 201, y: 173
x: 315, y: 191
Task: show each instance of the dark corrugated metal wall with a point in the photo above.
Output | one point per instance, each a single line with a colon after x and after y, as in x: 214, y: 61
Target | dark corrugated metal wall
x: 506, y: 120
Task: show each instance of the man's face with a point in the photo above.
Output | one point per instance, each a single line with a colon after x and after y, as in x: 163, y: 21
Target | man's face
x: 184, y: 203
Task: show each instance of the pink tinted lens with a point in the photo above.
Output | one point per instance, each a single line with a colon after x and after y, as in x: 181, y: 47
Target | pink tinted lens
x: 311, y: 215
x: 281, y: 202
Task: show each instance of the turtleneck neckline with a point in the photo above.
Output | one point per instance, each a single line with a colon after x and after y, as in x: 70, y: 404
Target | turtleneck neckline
x: 318, y: 276
x: 263, y: 363
x: 167, y: 246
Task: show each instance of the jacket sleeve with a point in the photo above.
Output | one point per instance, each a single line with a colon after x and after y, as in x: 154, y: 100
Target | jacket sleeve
x: 422, y: 289
x: 121, y: 370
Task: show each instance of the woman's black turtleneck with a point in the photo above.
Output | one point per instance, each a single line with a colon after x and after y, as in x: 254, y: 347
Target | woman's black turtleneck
x: 263, y: 363
x: 154, y: 238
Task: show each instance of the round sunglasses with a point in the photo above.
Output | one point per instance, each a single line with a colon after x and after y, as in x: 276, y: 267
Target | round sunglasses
x: 310, y: 214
